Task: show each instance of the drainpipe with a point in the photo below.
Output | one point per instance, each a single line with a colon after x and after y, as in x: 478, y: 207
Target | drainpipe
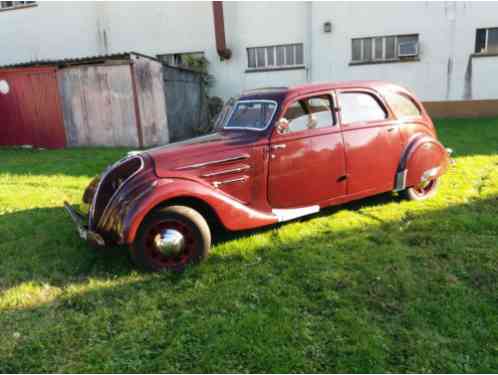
x: 219, y: 31
x: 309, y: 41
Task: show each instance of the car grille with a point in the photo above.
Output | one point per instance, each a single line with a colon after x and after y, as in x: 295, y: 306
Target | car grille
x: 109, y: 185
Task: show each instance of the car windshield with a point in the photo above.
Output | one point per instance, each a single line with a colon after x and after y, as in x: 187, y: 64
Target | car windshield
x: 246, y: 114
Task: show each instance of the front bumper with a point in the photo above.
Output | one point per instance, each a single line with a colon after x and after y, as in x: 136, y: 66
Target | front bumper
x: 93, y: 238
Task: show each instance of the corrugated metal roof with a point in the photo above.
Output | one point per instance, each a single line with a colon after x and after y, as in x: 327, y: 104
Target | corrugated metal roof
x: 98, y: 59
x: 73, y: 61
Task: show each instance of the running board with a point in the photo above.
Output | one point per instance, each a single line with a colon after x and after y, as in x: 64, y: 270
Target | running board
x: 286, y: 214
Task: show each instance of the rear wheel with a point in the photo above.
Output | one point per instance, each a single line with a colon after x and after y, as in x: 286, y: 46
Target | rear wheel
x: 421, y: 192
x: 170, y: 238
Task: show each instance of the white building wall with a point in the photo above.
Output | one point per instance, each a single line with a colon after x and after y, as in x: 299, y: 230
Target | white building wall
x: 446, y: 35
x: 48, y: 31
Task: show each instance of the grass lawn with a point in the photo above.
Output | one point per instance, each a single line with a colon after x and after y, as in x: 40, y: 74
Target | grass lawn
x: 378, y: 285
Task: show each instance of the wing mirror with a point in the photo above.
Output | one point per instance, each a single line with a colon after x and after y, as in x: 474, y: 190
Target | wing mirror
x: 282, y: 126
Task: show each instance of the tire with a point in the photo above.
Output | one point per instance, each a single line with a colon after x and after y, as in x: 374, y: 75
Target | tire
x: 421, y: 193
x: 170, y: 239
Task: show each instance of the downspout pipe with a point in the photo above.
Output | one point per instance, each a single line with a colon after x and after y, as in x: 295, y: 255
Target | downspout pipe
x: 219, y: 31
x: 309, y: 41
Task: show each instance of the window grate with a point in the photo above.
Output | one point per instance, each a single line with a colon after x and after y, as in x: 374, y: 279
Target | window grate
x: 384, y: 48
x: 275, y: 57
x: 4, y: 5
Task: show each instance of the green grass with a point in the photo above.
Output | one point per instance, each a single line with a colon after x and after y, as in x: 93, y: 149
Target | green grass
x: 378, y: 285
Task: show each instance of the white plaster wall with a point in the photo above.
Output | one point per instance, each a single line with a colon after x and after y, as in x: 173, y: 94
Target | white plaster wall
x: 484, y: 78
x: 447, y: 34
x: 48, y: 31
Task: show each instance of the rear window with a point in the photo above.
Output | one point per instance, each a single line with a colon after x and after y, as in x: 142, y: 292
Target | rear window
x: 360, y: 107
x: 251, y: 115
x: 402, y: 105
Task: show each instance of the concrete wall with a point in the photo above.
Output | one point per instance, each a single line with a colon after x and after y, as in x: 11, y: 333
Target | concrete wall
x: 446, y: 29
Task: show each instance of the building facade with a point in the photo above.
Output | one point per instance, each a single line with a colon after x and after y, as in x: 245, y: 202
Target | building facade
x: 443, y: 51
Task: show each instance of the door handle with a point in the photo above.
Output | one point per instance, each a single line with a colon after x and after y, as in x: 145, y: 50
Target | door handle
x: 391, y: 129
x: 279, y: 146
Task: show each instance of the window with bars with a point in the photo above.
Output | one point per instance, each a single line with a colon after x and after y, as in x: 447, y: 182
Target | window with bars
x: 384, y: 48
x: 487, y: 40
x: 5, y: 5
x: 275, y: 57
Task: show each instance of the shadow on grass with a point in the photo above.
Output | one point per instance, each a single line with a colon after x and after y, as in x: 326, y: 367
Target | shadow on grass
x: 41, y: 245
x: 377, y: 200
x: 425, y: 284
x: 50, y: 251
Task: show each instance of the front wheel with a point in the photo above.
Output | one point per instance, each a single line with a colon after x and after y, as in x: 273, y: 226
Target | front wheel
x: 421, y: 192
x: 170, y: 238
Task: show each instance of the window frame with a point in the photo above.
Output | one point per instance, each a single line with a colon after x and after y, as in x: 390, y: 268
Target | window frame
x: 383, y: 59
x: 243, y: 101
x: 24, y: 5
x: 486, y: 42
x: 275, y: 48
x: 407, y: 96
x: 335, y: 126
x: 360, y: 124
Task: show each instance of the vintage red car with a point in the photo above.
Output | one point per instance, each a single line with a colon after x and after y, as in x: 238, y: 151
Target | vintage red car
x: 276, y: 154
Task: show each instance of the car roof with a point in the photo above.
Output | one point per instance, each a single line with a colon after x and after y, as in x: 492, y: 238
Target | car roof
x: 278, y: 93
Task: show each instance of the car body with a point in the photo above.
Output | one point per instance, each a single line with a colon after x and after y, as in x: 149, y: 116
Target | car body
x: 276, y: 154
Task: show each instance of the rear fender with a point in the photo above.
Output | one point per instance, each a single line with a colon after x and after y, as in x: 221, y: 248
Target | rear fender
x: 231, y: 213
x: 423, y: 159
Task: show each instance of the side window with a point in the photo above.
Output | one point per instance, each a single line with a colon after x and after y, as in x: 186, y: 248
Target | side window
x: 297, y: 117
x: 360, y: 107
x: 402, y: 105
x: 310, y: 113
x: 320, y: 110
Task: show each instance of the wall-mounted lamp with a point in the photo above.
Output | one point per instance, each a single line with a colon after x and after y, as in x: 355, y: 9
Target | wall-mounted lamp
x: 4, y: 87
x: 327, y: 27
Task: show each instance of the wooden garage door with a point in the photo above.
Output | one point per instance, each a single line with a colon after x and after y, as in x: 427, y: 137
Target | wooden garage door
x: 99, y: 106
x: 30, y: 111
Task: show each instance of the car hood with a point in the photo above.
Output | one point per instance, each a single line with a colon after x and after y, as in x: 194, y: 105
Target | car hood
x: 211, y: 149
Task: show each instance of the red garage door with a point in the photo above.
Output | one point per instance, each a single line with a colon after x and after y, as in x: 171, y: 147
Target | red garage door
x: 30, y: 111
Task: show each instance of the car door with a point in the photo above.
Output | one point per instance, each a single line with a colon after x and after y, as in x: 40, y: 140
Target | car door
x: 307, y: 164
x: 371, y: 140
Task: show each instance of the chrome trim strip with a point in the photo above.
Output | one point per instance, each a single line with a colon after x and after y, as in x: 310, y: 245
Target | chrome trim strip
x: 205, y: 164
x: 401, y: 180
x: 249, y: 128
x: 286, y: 214
x: 226, y: 171
x: 217, y: 184
x: 112, y: 167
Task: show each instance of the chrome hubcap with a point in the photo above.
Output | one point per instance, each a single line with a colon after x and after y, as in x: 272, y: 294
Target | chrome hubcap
x: 169, y: 242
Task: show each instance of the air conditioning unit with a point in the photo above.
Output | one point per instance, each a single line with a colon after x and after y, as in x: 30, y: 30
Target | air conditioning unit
x: 408, y: 49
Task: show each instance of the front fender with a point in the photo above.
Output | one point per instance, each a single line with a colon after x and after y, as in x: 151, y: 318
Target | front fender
x: 232, y: 214
x: 423, y: 158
